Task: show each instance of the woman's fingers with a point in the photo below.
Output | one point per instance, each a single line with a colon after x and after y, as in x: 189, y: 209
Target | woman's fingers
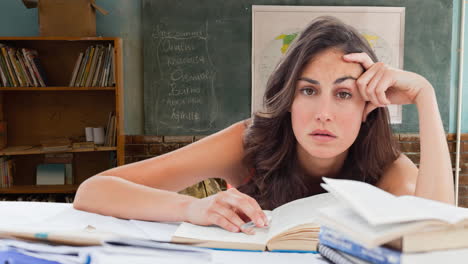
x: 223, y: 222
x: 372, y: 87
x: 364, y: 80
x: 361, y: 58
x: 382, y: 87
x: 246, y: 205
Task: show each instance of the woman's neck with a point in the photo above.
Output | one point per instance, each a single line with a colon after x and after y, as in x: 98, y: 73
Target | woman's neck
x: 315, y: 168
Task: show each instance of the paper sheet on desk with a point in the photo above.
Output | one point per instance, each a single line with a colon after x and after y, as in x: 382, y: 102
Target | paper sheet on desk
x: 236, y: 257
x: 17, y: 213
x: 156, y: 230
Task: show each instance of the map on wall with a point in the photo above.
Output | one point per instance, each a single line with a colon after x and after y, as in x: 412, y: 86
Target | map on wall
x: 274, y: 28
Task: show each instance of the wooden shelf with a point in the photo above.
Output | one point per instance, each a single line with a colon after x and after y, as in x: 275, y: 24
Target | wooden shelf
x: 34, y: 114
x: 66, y: 88
x: 27, y: 189
x: 30, y: 150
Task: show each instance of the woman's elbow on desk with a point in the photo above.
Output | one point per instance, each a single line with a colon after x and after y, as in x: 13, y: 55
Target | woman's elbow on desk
x: 89, y: 192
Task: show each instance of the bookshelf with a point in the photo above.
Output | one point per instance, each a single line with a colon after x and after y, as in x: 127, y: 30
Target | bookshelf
x: 33, y: 114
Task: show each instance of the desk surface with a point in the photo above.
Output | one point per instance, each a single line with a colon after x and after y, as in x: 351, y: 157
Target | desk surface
x: 59, y: 217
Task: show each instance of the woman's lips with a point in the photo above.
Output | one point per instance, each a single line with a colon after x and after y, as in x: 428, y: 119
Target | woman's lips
x: 322, y: 138
x: 322, y: 135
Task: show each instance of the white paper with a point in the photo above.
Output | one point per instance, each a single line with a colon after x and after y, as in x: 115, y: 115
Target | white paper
x: 237, y: 257
x: 162, y: 232
x: 380, y: 207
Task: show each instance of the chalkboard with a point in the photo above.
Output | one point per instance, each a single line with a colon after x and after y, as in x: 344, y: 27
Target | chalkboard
x: 197, y: 59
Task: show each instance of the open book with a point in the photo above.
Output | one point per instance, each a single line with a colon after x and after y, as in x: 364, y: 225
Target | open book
x: 293, y: 226
x: 373, y: 217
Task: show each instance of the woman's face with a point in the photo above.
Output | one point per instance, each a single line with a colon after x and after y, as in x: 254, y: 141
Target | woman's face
x: 327, y: 109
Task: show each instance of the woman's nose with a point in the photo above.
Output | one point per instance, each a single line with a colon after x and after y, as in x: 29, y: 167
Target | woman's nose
x: 324, y: 111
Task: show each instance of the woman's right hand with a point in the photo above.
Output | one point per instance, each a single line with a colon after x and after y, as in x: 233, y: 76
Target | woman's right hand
x: 229, y: 209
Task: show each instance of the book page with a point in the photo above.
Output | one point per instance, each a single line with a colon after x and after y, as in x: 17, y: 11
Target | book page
x: 298, y: 212
x: 380, y: 207
x: 216, y: 233
x: 345, y: 220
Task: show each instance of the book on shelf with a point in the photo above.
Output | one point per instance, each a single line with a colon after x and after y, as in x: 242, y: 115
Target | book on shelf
x: 93, y: 67
x: 111, y: 130
x: 372, y: 217
x: 293, y: 227
x: 33, y: 57
x: 20, y: 67
x: 84, y: 145
x: 87, y: 67
x: 6, y: 172
x: 81, y: 69
x: 75, y: 70
x: 30, y: 68
x: 9, y: 65
x: 56, y: 145
x: 98, y: 68
x: 5, y: 75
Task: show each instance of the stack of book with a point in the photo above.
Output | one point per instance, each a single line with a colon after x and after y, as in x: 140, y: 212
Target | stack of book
x: 94, y: 68
x: 6, y: 172
x: 111, y: 131
x: 56, y: 145
x: 20, y: 67
x: 369, y: 225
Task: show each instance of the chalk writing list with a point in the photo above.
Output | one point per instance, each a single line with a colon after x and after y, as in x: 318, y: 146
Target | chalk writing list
x: 186, y: 96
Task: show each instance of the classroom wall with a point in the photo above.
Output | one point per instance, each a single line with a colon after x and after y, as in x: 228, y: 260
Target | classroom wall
x: 124, y: 20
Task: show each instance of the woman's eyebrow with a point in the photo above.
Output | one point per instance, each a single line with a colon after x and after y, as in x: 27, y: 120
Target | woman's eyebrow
x: 337, y: 81
x: 312, y: 81
x: 342, y: 79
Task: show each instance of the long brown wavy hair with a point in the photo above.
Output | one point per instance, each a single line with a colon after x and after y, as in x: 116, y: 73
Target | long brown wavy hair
x: 269, y: 141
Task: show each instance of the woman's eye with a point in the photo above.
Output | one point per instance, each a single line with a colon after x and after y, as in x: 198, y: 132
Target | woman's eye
x: 308, y: 91
x: 344, y: 95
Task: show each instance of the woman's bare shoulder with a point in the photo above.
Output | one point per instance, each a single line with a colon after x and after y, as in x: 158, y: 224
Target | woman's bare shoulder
x: 400, y: 177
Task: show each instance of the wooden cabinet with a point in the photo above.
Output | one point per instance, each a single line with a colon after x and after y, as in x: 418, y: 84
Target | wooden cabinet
x: 34, y: 114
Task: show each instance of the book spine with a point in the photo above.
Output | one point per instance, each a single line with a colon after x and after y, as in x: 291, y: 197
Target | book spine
x: 30, y: 69
x: 75, y: 70
x: 10, y: 67
x: 23, y: 70
x: 88, y: 66
x: 2, y: 73
x: 33, y: 61
x: 5, y: 70
x: 377, y: 255
x: 82, y: 66
x: 93, y: 66
x: 98, y: 69
x: 14, y: 62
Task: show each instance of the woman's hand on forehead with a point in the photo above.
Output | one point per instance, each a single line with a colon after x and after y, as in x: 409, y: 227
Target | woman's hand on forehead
x: 381, y: 85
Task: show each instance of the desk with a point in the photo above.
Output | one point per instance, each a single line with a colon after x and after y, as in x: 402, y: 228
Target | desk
x: 61, y: 217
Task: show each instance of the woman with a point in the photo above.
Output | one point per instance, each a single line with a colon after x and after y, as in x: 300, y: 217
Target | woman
x: 325, y: 115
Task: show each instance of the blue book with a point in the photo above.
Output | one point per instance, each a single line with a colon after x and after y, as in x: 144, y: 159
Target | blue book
x: 12, y: 256
x: 378, y: 255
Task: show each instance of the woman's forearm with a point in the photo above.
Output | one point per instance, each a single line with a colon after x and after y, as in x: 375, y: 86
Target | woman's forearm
x: 435, y: 179
x: 118, y: 197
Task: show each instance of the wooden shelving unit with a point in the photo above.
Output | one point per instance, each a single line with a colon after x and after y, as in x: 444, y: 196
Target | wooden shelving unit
x: 34, y: 114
